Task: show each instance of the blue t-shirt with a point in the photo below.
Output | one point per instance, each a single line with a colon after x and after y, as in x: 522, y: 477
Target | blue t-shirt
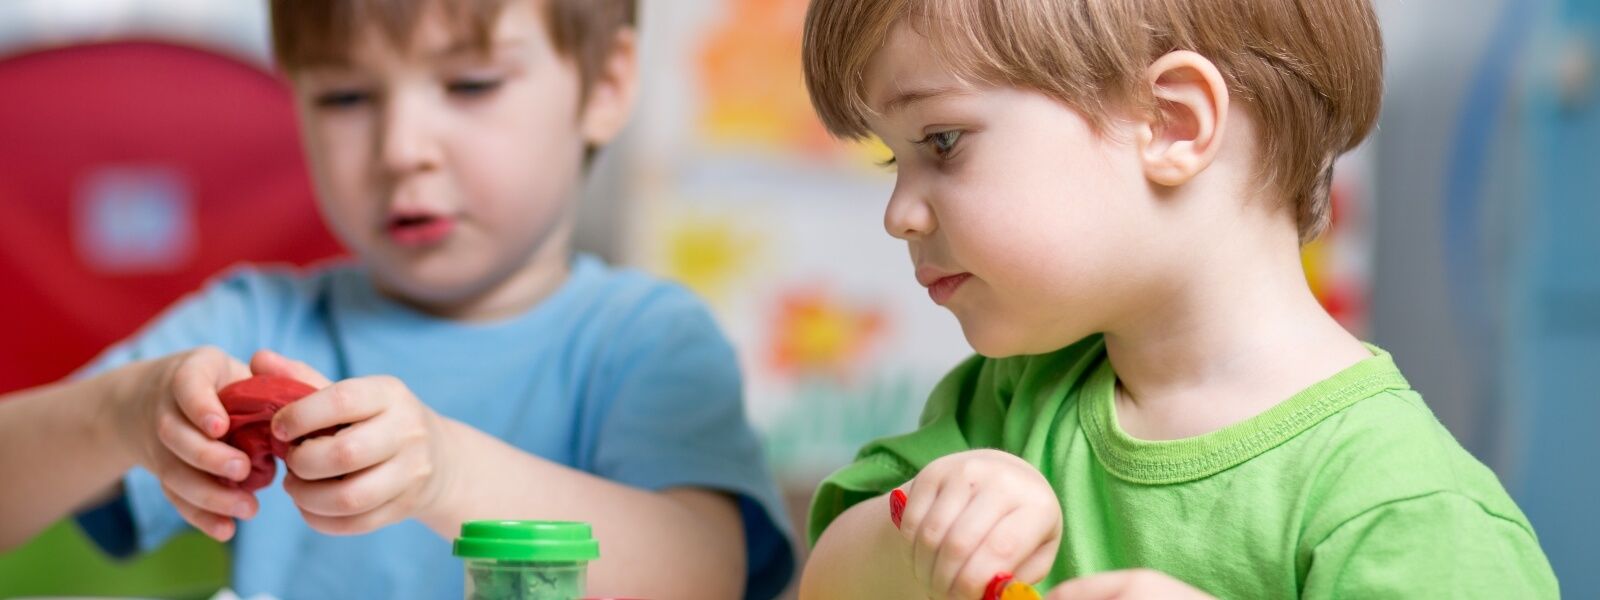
x: 616, y: 374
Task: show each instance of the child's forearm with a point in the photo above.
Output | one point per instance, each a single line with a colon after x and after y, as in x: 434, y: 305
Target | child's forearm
x: 674, y: 544
x: 59, y: 452
x: 860, y: 556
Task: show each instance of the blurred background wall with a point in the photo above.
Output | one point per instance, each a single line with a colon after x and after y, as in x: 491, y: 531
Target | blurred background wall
x: 1467, y: 234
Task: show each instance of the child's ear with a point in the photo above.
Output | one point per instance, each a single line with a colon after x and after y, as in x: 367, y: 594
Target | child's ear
x: 611, y: 95
x: 1181, y: 137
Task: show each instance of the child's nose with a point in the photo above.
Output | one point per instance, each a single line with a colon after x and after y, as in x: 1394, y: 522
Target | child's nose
x: 405, y: 142
x: 908, y: 216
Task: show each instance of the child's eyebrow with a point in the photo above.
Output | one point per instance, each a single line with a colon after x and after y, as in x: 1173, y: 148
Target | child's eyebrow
x: 906, y: 98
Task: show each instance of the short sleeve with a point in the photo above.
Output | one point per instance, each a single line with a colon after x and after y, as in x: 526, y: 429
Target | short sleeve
x: 674, y: 417
x: 1440, y: 545
x: 954, y: 420
x: 224, y: 314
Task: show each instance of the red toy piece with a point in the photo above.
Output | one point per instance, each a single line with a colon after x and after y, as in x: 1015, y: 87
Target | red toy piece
x: 897, y: 506
x: 997, y: 585
x: 250, y: 404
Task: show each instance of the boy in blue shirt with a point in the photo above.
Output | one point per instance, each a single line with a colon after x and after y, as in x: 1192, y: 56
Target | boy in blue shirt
x: 479, y: 369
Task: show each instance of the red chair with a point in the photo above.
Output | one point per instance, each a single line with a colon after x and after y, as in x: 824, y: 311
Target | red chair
x: 130, y: 172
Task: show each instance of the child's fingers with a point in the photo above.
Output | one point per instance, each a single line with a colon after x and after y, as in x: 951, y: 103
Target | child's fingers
x: 929, y: 532
x: 919, y: 498
x: 267, y: 362
x: 969, y: 542
x: 1016, y: 537
x: 355, y: 448
x: 201, y: 452
x: 194, y: 388
x: 220, y: 528
x: 393, y: 511
x: 1034, y: 568
x: 345, y: 402
x: 205, y: 492
x: 354, y: 495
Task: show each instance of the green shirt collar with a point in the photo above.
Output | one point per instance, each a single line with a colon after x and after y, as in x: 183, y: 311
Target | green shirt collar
x: 1177, y: 461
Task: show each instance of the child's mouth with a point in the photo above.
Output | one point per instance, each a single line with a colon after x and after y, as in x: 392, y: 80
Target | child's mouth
x: 419, y: 229
x: 941, y: 291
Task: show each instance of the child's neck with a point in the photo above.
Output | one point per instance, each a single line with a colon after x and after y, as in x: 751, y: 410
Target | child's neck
x: 1240, y: 334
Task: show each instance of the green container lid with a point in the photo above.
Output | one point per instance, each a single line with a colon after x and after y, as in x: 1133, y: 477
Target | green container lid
x: 537, y: 541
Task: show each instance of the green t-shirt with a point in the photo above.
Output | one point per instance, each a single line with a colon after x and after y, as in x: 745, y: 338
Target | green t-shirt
x: 1349, y: 489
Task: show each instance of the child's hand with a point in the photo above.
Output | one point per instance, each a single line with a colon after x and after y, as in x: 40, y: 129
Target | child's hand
x: 976, y: 514
x: 382, y: 468
x: 171, y: 421
x: 1133, y: 584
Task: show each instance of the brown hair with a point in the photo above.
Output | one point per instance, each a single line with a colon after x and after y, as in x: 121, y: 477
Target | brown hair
x: 1310, y: 70
x: 311, y: 32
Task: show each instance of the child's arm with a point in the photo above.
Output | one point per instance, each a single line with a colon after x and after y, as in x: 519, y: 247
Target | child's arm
x: 64, y: 446
x: 861, y: 555
x: 56, y: 454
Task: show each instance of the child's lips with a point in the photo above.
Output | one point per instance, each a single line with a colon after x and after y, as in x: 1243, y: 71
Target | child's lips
x: 420, y: 230
x: 945, y: 287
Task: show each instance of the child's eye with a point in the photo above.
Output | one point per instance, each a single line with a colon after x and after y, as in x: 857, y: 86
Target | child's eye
x: 473, y: 87
x: 944, y: 141
x: 341, y: 99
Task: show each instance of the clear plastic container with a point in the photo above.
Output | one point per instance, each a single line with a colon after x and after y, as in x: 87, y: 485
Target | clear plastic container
x: 526, y: 560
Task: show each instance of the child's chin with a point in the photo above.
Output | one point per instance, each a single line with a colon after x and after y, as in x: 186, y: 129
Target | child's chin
x: 427, y: 287
x: 989, y: 341
x: 997, y: 340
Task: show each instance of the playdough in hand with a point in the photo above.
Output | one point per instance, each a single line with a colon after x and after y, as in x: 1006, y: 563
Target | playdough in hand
x: 250, y: 404
x: 1003, y: 587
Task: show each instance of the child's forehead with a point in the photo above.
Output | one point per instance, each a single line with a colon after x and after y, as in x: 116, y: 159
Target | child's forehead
x: 907, y: 69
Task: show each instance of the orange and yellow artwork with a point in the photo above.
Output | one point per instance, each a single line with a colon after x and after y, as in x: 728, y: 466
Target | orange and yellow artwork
x: 754, y: 88
x: 708, y: 254
x: 815, y: 334
x: 750, y: 69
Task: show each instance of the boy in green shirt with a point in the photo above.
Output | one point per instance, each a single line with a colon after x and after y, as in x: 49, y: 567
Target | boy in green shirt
x: 1111, y: 196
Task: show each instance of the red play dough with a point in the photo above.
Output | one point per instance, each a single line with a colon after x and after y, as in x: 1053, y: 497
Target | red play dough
x: 250, y: 404
x: 997, y: 586
x: 897, y: 506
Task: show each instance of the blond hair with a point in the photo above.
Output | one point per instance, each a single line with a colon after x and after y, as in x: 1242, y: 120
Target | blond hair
x: 313, y: 32
x: 1309, y: 70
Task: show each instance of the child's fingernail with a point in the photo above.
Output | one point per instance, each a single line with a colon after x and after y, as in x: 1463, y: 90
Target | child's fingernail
x: 278, y: 432
x: 897, y: 506
x: 235, y: 469
x: 242, y: 510
x: 996, y: 585
x: 215, y: 426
